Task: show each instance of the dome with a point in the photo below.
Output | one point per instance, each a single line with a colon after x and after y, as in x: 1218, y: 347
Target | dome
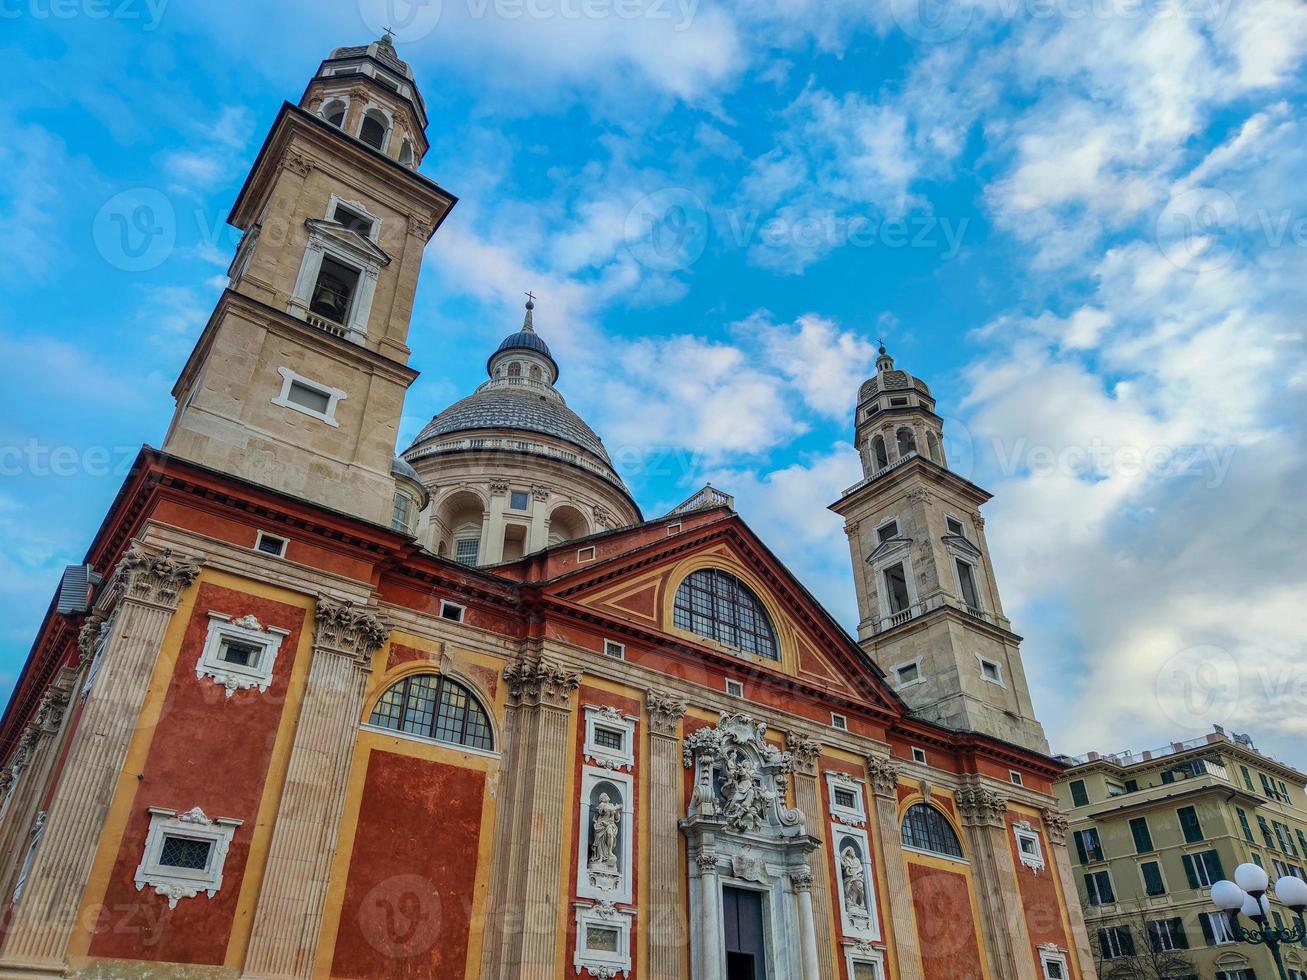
x: 522, y: 407
x: 524, y: 340
x: 400, y: 468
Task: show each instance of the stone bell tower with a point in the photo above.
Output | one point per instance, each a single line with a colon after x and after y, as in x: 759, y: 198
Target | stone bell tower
x: 298, y: 380
x: 929, y: 608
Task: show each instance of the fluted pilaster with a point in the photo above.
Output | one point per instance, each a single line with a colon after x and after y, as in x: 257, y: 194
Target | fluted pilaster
x: 1056, y: 826
x: 288, y: 917
x: 883, y: 778
x: 146, y: 586
x: 667, y: 916
x: 804, y: 752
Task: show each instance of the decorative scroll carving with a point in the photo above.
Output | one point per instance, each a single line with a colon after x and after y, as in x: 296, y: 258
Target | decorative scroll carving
x: 349, y: 629
x: 981, y: 807
x: 883, y: 774
x: 665, y: 712
x: 157, y: 577
x: 756, y: 775
x: 1056, y: 823
x: 537, y: 680
x: 804, y: 752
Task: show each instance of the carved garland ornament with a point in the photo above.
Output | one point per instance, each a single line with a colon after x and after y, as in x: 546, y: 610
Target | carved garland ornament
x: 349, y: 629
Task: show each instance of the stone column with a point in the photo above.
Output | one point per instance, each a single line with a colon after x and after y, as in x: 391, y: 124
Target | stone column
x: 666, y: 915
x: 710, y: 897
x: 539, y: 533
x: 288, y: 916
x: 804, y: 753
x: 883, y: 777
x: 492, y: 535
x: 802, y: 880
x: 524, y: 921
x: 147, y: 587
x: 1002, y: 912
x: 24, y: 781
x: 1055, y: 824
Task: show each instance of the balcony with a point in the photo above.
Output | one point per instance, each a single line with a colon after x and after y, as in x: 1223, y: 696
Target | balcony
x: 936, y: 602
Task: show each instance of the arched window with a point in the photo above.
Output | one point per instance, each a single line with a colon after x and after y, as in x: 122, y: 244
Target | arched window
x: 373, y: 130
x: 926, y: 829
x: 434, y: 707
x: 718, y: 605
x: 406, y: 153
x: 515, y: 370
x: 334, y: 112
x: 878, y: 451
x: 932, y: 446
x: 907, y: 442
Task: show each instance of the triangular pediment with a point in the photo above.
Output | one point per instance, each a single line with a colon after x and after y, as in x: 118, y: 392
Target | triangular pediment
x: 365, y: 248
x: 638, y: 588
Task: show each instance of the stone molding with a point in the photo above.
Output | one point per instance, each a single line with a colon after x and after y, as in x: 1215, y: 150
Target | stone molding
x: 801, y: 879
x: 706, y: 862
x: 665, y: 712
x: 883, y: 774
x: 158, y: 578
x: 540, y: 681
x: 348, y: 629
x: 1057, y: 824
x: 804, y: 752
x: 981, y: 806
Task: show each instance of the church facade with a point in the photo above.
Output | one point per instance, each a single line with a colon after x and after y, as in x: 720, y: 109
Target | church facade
x: 311, y: 709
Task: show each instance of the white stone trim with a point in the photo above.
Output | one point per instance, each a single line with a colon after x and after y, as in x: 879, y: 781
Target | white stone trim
x: 602, y: 963
x: 982, y: 660
x: 921, y: 674
x: 839, y: 721
x: 178, y: 883
x: 859, y: 924
x: 614, y: 885
x: 1049, y: 953
x: 327, y: 99
x: 601, y: 755
x: 235, y: 677
x: 357, y: 206
x: 855, y: 816
x: 422, y: 739
x: 446, y: 605
x: 262, y: 536
x: 856, y: 953
x: 334, y: 396
x: 1024, y: 832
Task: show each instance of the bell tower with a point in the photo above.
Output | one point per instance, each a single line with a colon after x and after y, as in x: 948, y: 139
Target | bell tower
x: 298, y: 380
x: 929, y: 608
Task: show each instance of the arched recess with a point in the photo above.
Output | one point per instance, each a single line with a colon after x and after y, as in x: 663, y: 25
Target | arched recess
x: 459, y: 521
x: 879, y: 453
x: 437, y: 708
x: 717, y: 605
x: 906, y: 441
x: 932, y: 447
x: 566, y: 523
x: 333, y: 110
x: 374, y: 130
x: 780, y: 622
x: 406, y: 153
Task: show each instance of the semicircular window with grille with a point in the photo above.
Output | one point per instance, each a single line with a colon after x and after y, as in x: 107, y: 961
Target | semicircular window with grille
x: 926, y: 829
x: 717, y: 605
x: 434, y: 707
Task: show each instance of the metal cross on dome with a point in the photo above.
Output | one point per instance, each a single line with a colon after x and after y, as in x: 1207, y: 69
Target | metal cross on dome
x: 390, y: 34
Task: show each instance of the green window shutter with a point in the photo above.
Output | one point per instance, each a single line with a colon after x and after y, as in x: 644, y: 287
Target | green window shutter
x: 1214, y: 869
x: 1153, y: 884
x: 1190, y: 871
x: 1193, y: 830
x: 1247, y: 830
x: 1247, y: 779
x: 1080, y: 847
x: 1176, y: 926
x: 1079, y: 796
x: 1209, y: 937
x: 1143, y: 839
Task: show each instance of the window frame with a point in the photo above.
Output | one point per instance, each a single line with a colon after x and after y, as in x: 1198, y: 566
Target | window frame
x: 839, y: 721
x: 730, y: 607
x: 429, y: 737
x: 233, y: 677
x: 610, y: 718
x: 174, y: 883
x: 1161, y: 874
x: 446, y: 606
x: 614, y: 650
x: 1024, y: 832
x: 261, y: 536
x: 734, y: 688
x: 940, y: 821
x: 334, y: 396
x: 898, y: 668
x: 998, y: 670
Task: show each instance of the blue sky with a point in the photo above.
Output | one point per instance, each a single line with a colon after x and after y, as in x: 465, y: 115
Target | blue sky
x: 1082, y: 223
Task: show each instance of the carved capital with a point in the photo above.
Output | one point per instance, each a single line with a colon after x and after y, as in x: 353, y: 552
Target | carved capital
x: 50, y: 712
x: 1056, y: 823
x: 419, y: 225
x: 665, y: 712
x: 91, y: 633
x: 348, y: 629
x: 801, y: 879
x: 706, y: 861
x: 918, y: 495
x: 883, y: 774
x: 297, y: 164
x: 538, y: 681
x: 540, y: 493
x: 498, y: 487
x: 981, y: 807
x: 978, y: 521
x: 804, y: 752
x: 156, y: 577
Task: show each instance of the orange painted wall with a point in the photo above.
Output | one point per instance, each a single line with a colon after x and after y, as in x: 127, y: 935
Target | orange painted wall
x: 945, y: 924
x: 209, y: 751
x: 1039, y: 896
x: 408, y: 897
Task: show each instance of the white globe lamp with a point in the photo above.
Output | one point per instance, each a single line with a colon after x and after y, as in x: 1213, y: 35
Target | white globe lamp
x: 1251, y: 878
x: 1228, y: 896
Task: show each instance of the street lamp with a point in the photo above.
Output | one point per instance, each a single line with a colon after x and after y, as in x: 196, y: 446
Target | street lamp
x: 1247, y: 894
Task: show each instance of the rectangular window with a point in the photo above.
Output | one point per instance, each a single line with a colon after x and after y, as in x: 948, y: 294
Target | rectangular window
x: 270, y: 545
x: 1153, y: 883
x: 896, y: 588
x: 839, y: 721
x: 466, y: 551
x: 1193, y: 830
x: 451, y: 611
x: 334, y: 291
x: 1203, y: 870
x: 919, y: 755
x: 1079, y: 795
x: 1166, y: 935
x: 1243, y: 825
x: 352, y: 220
x: 1247, y: 778
x: 185, y: 852
x: 907, y: 674
x: 1115, y: 942
x: 735, y: 689
x: 967, y: 579
x: 601, y: 939
x: 1098, y: 887
x: 240, y: 654
x: 887, y: 531
x: 1015, y: 778
x: 1054, y: 969
x: 1216, y: 928
x: 585, y: 554
x: 519, y: 500
x: 311, y: 398
x: 845, y: 798
x: 614, y: 650
x: 1143, y: 838
x: 609, y: 738
x: 991, y: 672
x: 1088, y: 845
x: 954, y: 526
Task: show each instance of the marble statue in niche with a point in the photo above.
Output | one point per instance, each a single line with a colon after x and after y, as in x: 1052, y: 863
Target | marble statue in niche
x: 855, y: 885
x: 603, y: 849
